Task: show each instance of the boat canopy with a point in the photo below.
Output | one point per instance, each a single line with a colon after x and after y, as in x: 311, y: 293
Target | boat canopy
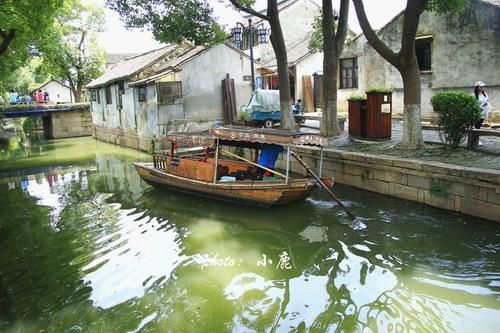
x: 248, y: 137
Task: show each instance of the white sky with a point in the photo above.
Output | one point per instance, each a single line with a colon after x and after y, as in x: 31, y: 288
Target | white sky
x: 117, y: 39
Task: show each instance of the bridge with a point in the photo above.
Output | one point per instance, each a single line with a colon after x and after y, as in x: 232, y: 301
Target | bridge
x: 59, y: 120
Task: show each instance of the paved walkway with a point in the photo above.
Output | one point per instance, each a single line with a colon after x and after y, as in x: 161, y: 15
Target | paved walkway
x: 490, y: 144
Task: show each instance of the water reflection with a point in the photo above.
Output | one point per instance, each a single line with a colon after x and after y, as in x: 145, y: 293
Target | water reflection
x: 92, y: 248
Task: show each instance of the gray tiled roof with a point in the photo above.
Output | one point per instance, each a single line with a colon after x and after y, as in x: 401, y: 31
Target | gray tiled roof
x: 494, y: 2
x: 131, y: 66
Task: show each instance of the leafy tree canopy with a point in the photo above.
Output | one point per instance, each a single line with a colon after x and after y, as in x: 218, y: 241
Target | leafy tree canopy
x: 446, y: 6
x: 24, y: 24
x: 316, y: 40
x: 173, y: 21
x: 72, y: 53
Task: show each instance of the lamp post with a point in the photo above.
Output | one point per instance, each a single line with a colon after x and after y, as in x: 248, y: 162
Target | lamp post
x: 238, y: 33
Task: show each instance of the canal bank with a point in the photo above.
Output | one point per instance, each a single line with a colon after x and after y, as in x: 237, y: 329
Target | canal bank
x: 468, y: 190
x: 465, y: 181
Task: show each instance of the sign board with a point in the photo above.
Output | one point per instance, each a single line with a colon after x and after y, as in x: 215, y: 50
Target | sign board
x: 247, y: 78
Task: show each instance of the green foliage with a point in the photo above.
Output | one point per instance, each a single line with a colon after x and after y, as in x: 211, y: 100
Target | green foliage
x: 438, y: 188
x: 381, y: 90
x: 457, y: 114
x: 27, y: 126
x: 244, y: 115
x: 30, y: 23
x: 441, y: 7
x: 25, y: 78
x: 73, y: 53
x: 316, y: 41
x: 357, y: 98
x: 172, y: 20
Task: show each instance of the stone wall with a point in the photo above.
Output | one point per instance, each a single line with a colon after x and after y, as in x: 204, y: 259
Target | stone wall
x: 70, y: 124
x: 121, y: 137
x: 466, y: 190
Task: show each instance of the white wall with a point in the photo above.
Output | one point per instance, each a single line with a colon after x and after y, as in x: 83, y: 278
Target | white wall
x: 202, y: 82
x: 54, y: 88
x: 307, y: 66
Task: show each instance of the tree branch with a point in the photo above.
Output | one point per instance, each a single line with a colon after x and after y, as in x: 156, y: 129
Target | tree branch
x: 410, y: 25
x: 341, y: 33
x: 6, y: 39
x: 373, y: 39
x: 248, y: 10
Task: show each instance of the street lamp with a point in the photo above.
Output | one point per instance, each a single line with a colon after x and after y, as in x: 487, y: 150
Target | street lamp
x: 238, y: 33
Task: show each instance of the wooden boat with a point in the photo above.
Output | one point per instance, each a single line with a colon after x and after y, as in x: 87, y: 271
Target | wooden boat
x: 200, y: 171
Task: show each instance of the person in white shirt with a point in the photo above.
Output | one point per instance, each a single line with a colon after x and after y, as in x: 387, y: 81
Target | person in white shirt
x: 482, y: 100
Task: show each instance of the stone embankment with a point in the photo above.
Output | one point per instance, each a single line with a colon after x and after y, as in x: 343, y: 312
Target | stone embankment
x: 467, y: 190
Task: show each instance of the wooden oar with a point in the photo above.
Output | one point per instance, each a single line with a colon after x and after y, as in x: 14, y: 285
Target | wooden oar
x: 320, y: 182
x: 255, y: 164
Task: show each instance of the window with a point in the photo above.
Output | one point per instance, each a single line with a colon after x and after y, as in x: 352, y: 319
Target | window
x: 121, y: 91
x: 423, y: 51
x: 108, y: 95
x: 94, y: 95
x: 142, y: 93
x: 168, y: 92
x: 98, y: 93
x: 348, y: 73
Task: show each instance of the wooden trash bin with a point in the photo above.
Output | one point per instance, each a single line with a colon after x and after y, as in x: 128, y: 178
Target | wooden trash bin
x: 357, y: 118
x: 378, y: 115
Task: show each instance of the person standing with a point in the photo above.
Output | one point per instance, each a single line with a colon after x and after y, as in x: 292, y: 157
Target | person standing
x: 39, y: 96
x: 13, y: 97
x: 482, y: 100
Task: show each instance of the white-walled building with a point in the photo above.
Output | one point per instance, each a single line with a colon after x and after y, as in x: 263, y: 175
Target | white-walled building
x: 171, y: 89
x: 58, y: 92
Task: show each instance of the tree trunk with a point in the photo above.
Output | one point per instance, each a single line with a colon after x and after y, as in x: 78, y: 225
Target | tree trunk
x: 6, y: 39
x: 329, y: 123
x: 412, y: 129
x: 78, y: 93
x: 406, y: 63
x: 332, y: 47
x: 279, y: 47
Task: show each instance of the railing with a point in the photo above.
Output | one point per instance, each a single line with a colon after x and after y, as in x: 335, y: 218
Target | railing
x: 160, y: 162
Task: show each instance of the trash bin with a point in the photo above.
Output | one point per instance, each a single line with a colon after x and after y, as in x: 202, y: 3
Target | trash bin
x: 378, y: 115
x: 357, y: 117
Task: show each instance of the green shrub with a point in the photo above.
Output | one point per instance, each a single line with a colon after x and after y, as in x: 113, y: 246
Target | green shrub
x: 383, y: 90
x: 357, y: 98
x: 244, y: 115
x: 457, y: 114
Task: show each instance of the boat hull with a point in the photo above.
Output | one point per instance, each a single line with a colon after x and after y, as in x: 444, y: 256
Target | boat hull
x: 255, y: 193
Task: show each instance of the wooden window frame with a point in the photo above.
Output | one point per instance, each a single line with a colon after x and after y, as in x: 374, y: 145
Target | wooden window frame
x: 141, y: 93
x: 175, y: 92
x: 348, y: 73
x: 423, y: 50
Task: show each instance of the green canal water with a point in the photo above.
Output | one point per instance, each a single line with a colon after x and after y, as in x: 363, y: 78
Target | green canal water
x: 86, y: 246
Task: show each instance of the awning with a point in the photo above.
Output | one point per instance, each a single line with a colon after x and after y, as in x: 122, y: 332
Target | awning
x: 247, y: 136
